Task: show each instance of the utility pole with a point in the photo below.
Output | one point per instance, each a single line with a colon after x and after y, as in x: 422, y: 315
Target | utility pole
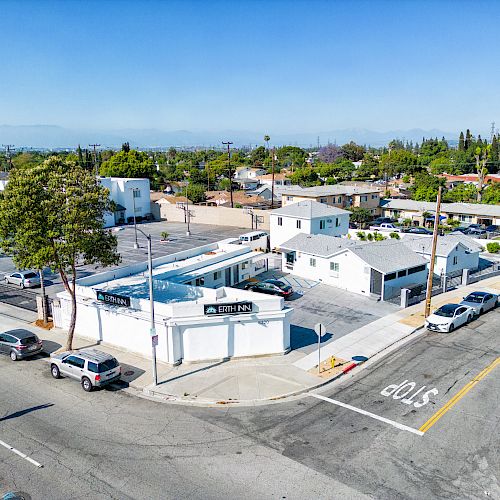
x: 95, y: 158
x: 228, y: 144
x: 428, y: 295
x: 272, y: 180
x: 9, y: 149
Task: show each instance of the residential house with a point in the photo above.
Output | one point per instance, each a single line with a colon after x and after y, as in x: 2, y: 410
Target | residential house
x: 467, y: 213
x: 359, y: 267
x: 280, y: 179
x: 453, y: 253
x: 249, y: 172
x: 131, y: 196
x: 240, y: 198
x: 336, y: 195
x: 308, y: 217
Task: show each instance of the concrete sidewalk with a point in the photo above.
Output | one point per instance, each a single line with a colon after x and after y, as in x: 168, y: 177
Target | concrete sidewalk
x: 384, y: 332
x: 249, y: 381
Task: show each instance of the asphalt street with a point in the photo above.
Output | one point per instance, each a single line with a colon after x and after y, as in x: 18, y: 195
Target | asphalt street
x: 392, y: 441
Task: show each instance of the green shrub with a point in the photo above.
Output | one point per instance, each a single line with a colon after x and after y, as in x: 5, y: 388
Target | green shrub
x: 493, y: 247
x: 164, y: 235
x: 361, y: 235
x: 370, y: 236
x: 378, y: 237
x: 394, y: 236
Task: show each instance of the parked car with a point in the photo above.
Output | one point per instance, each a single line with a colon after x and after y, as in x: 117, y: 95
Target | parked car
x: 460, y: 229
x: 271, y: 287
x: 480, y: 301
x: 20, y: 344
x: 386, y: 226
x: 381, y: 220
x: 449, y: 317
x: 492, y: 229
x: 24, y: 279
x: 91, y: 367
x: 417, y: 230
x: 476, y: 233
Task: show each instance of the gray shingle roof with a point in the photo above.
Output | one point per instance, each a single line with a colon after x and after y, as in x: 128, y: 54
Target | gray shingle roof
x: 308, y: 209
x: 445, y: 244
x: 388, y: 256
x: 385, y: 256
x: 321, y: 245
x: 454, y: 208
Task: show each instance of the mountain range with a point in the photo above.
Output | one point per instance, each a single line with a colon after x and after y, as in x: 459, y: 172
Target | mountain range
x: 53, y: 137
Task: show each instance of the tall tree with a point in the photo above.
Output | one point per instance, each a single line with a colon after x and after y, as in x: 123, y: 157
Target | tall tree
x: 468, y: 139
x: 53, y: 215
x: 461, y: 142
x: 129, y: 164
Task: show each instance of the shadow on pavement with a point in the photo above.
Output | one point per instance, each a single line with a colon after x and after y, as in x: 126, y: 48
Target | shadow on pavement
x: 129, y: 374
x: 193, y: 372
x: 302, y: 337
x: 20, y: 413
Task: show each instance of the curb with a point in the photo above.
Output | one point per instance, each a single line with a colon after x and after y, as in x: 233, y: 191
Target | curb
x: 349, y: 371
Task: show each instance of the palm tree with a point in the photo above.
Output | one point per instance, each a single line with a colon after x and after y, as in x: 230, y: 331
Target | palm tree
x: 481, y: 159
x: 266, y: 140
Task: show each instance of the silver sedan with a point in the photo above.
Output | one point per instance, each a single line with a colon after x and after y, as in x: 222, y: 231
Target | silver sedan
x: 24, y: 279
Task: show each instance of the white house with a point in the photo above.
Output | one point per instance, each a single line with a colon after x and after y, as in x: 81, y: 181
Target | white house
x: 453, y: 253
x: 128, y: 194
x: 198, y: 315
x: 249, y: 173
x: 308, y: 217
x: 370, y: 268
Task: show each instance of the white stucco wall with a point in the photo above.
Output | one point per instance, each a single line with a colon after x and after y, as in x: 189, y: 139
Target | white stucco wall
x: 464, y: 260
x: 336, y: 225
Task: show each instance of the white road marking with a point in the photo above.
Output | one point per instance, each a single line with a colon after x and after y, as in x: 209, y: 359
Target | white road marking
x: 22, y: 455
x: 368, y: 414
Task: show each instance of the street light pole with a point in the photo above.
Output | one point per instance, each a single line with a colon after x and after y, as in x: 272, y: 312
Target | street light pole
x: 154, y: 338
x: 136, y: 244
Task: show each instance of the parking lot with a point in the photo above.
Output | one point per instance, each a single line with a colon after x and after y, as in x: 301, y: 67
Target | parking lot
x: 339, y: 310
x: 201, y: 234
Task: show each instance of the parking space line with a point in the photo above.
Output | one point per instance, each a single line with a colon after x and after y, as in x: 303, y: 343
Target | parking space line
x: 371, y: 415
x: 458, y: 396
x: 22, y: 455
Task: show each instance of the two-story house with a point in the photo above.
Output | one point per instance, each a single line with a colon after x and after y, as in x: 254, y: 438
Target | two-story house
x: 309, y: 217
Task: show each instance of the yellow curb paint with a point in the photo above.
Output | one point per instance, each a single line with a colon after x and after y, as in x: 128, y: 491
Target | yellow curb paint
x: 460, y: 394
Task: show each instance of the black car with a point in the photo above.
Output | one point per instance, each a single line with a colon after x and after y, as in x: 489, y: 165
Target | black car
x: 271, y: 287
x: 418, y: 230
x: 493, y: 228
x: 19, y: 344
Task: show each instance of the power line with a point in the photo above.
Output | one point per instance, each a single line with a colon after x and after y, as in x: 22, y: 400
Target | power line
x: 95, y: 158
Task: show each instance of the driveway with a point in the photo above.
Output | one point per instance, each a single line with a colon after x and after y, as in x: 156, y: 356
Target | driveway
x: 339, y: 310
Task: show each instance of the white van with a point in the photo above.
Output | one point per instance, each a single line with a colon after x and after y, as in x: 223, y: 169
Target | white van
x: 256, y: 240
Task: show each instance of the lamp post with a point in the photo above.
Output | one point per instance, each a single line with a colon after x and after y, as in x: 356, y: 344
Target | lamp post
x: 152, y: 329
x: 136, y: 244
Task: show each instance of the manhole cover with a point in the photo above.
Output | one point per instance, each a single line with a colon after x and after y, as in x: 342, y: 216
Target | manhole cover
x: 129, y: 373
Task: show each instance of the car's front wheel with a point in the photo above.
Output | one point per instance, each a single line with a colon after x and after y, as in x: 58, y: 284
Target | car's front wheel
x: 451, y: 328
x: 86, y: 384
x: 13, y: 355
x: 54, y: 370
x: 21, y: 285
x: 470, y: 317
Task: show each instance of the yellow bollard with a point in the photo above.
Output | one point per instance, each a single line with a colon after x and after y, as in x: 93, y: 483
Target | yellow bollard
x: 332, y: 361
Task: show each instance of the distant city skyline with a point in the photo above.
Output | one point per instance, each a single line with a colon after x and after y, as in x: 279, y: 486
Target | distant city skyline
x: 296, y: 67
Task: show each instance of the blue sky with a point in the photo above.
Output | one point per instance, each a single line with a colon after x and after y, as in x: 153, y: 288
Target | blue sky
x: 279, y: 66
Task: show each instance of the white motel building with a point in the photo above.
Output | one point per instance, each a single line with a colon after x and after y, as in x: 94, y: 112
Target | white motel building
x: 199, y: 315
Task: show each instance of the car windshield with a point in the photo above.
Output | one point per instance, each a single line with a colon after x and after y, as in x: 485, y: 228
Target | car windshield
x: 29, y: 275
x: 29, y: 340
x: 446, y: 311
x: 107, y: 365
x: 477, y: 299
x: 279, y: 284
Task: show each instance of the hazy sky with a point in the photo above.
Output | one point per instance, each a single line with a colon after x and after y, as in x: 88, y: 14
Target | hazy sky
x: 279, y: 66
